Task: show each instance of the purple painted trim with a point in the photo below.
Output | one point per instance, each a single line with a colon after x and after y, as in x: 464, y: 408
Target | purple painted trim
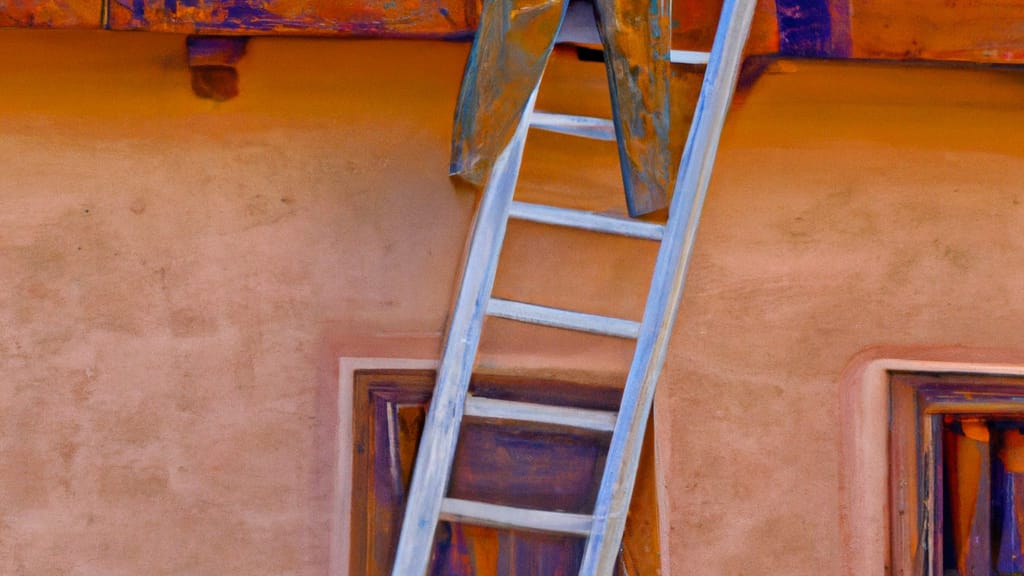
x: 215, y: 50
x: 814, y: 28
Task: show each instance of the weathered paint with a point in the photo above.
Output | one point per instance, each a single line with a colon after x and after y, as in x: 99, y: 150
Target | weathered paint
x: 946, y: 489
x: 911, y: 30
x: 908, y: 521
x: 694, y: 23
x: 393, y: 18
x: 528, y: 465
x: 881, y: 29
x: 951, y: 499
x: 805, y: 28
x: 51, y: 13
x: 987, y: 31
x: 508, y: 59
x: 1012, y: 453
x: 977, y: 31
x: 215, y: 50
x: 513, y: 33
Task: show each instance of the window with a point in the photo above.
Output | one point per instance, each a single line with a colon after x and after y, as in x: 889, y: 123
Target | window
x: 515, y: 464
x: 956, y: 484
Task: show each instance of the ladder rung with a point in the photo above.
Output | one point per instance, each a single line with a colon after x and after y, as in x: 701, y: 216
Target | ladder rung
x: 495, y: 516
x: 582, y: 126
x: 585, y: 220
x: 558, y: 318
x: 601, y: 420
x: 689, y: 57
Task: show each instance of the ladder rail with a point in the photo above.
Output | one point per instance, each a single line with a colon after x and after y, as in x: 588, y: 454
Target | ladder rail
x: 673, y: 259
x: 441, y: 428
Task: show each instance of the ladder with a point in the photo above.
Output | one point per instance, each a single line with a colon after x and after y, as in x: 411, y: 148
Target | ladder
x: 427, y: 501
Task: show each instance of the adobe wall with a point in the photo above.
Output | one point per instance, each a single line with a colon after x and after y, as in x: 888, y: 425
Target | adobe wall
x: 178, y: 279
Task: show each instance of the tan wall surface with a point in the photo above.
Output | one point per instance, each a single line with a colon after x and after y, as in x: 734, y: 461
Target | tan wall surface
x: 853, y: 207
x: 178, y: 279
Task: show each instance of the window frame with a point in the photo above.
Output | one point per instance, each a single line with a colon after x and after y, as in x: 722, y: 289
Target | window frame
x: 918, y: 402
x: 649, y: 531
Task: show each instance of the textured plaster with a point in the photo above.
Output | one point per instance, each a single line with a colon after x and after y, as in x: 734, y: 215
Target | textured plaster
x: 178, y: 279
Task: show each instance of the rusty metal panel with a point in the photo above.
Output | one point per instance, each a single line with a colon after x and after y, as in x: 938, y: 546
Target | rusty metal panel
x: 394, y: 18
x: 51, y: 13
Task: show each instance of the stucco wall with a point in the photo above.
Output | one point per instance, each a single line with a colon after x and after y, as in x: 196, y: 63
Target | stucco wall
x: 178, y: 279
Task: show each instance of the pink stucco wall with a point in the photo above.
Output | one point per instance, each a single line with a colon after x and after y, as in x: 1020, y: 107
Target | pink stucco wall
x: 178, y: 279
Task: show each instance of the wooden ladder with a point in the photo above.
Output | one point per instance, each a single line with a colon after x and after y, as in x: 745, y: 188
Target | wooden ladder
x: 427, y: 501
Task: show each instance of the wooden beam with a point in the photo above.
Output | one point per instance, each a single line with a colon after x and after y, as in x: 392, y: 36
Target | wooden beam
x: 49, y: 14
x: 398, y: 18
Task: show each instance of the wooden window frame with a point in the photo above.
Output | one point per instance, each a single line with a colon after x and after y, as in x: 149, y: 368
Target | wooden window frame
x: 642, y: 550
x: 918, y: 402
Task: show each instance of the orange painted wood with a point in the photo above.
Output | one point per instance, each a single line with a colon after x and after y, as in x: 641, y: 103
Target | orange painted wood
x: 393, y: 18
x: 694, y: 23
x: 51, y: 13
x: 959, y: 30
x: 969, y: 485
x: 907, y: 523
x: 946, y: 30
